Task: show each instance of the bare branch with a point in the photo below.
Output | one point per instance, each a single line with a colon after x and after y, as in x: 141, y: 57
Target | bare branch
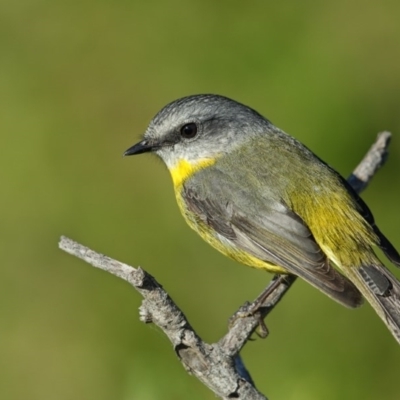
x: 217, y: 365
x: 372, y: 161
x: 207, y: 362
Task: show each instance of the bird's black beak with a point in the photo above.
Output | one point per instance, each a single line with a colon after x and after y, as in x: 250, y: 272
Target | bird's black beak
x: 142, y: 147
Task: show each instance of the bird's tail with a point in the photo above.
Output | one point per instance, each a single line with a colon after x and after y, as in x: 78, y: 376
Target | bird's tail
x: 382, y: 290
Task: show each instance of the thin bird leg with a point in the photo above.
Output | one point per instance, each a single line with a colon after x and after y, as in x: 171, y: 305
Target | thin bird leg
x: 253, y: 308
x: 262, y: 297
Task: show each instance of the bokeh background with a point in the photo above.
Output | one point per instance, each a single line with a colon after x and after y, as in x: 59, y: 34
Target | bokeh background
x: 79, y: 81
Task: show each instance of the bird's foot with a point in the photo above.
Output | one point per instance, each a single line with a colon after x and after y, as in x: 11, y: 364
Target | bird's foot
x: 254, y: 308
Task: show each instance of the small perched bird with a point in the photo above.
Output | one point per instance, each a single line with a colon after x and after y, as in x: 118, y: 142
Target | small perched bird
x: 262, y: 198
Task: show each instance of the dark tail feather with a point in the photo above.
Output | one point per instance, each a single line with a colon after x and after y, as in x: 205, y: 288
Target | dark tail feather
x: 382, y: 291
x: 387, y: 247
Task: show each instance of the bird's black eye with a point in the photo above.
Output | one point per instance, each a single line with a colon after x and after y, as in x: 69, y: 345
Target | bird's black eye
x: 189, y: 131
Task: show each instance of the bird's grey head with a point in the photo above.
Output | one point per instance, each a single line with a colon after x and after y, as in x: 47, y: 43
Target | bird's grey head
x: 199, y: 127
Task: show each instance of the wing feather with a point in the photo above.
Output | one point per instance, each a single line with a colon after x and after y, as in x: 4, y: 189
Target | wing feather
x: 268, y: 231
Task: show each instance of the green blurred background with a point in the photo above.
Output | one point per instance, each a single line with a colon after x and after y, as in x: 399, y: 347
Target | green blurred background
x: 79, y: 81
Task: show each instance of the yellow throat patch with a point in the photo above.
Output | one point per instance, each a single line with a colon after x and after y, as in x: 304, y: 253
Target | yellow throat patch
x: 183, y: 169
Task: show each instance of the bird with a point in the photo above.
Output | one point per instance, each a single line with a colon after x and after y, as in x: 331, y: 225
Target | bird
x: 264, y: 199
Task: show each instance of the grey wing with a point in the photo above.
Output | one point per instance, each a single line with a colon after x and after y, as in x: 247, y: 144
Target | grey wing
x: 270, y: 232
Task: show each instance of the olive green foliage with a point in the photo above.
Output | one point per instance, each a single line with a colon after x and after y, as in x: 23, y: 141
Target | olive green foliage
x: 79, y: 81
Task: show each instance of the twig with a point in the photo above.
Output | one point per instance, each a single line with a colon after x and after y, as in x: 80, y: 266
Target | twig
x: 372, y: 161
x: 217, y: 365
x: 209, y: 363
